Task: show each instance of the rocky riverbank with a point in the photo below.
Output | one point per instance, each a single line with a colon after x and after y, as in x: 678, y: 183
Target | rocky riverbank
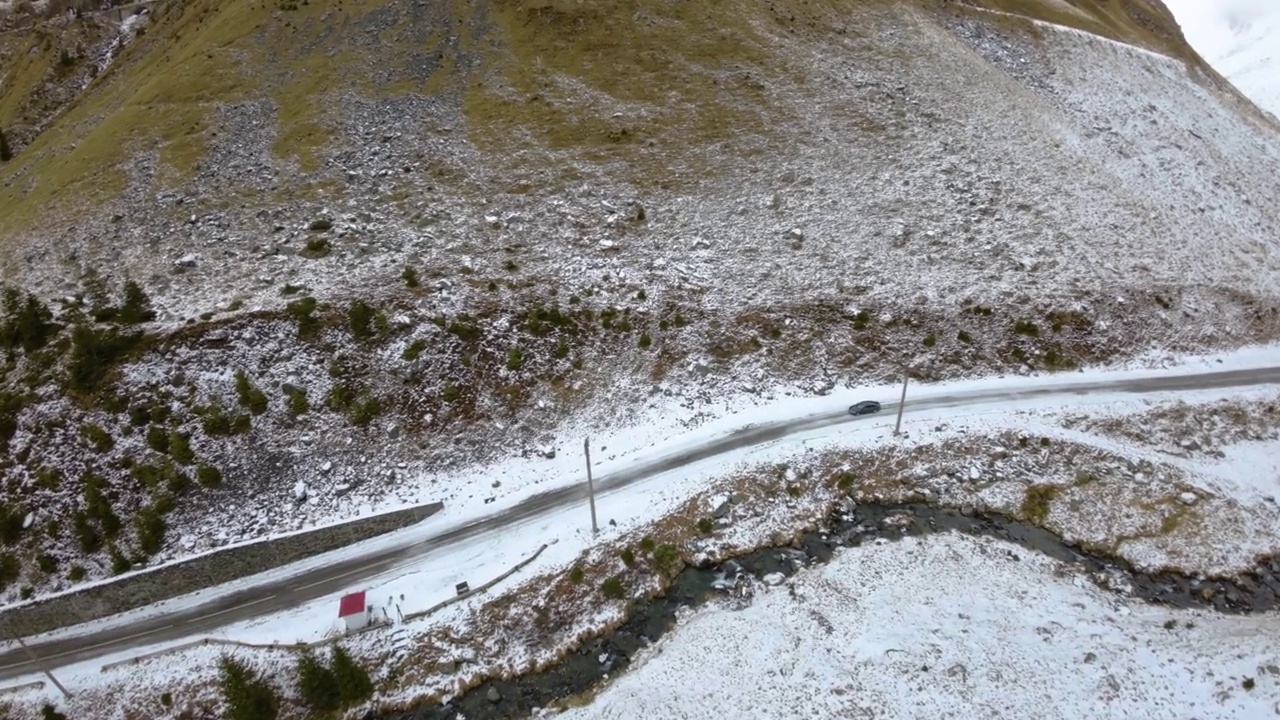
x: 848, y: 526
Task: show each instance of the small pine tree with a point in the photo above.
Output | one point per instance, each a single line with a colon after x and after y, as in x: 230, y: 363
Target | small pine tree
x: 303, y: 310
x: 86, y: 534
x: 6, y: 154
x: 97, y: 296
x: 246, y: 695
x: 613, y: 588
x: 28, y: 323
x: 10, y: 569
x: 49, y: 712
x: 354, y: 685
x: 177, y: 481
x: 180, y: 448
x: 209, y: 476
x: 317, y: 685
x: 98, y: 437
x: 414, y: 350
x: 515, y: 359
x: 360, y: 318
x: 136, y: 307
x: 119, y: 563
x: 250, y: 396
x: 11, y: 521
x: 94, y: 352
x: 98, y: 506
x: 151, y: 529
x: 47, y: 563
x: 668, y: 560
x: 297, y: 400
x: 158, y: 439
x: 364, y: 411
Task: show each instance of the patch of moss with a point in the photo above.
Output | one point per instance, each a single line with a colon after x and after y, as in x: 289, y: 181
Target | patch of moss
x: 1036, y: 502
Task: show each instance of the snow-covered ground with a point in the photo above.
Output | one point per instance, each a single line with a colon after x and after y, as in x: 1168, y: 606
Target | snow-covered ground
x: 1241, y: 39
x: 422, y: 581
x: 665, y: 427
x: 949, y: 627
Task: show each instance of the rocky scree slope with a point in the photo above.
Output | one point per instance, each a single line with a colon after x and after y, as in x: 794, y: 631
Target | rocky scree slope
x: 369, y: 242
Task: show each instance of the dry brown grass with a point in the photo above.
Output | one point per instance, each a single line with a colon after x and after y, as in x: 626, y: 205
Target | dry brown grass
x: 650, y: 89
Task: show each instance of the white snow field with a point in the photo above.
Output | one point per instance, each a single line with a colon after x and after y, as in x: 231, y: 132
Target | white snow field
x: 1239, y: 38
x: 949, y: 627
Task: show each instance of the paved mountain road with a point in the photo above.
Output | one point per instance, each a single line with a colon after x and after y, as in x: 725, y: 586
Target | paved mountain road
x: 290, y: 592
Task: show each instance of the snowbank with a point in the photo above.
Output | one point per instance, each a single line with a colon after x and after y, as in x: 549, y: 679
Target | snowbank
x: 949, y: 626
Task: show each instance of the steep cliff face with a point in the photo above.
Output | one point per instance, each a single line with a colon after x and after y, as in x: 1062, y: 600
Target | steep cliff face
x: 407, y: 237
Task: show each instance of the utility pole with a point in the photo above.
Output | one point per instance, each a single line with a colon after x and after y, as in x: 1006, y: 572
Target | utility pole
x: 591, y: 487
x: 40, y: 666
x: 901, y: 404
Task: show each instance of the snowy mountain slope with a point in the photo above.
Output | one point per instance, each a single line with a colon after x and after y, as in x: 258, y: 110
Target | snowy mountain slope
x: 827, y: 196
x: 1241, y: 39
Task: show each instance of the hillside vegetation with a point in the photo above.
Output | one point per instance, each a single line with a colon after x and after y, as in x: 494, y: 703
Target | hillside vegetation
x: 516, y: 75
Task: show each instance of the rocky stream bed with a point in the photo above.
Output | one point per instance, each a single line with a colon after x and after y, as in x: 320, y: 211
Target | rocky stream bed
x: 851, y: 526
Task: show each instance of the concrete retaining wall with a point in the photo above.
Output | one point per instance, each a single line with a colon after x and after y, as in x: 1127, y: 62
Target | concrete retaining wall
x: 170, y: 581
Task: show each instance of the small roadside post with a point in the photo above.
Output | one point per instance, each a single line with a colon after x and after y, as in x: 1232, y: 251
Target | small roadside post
x: 897, y: 428
x: 591, y: 487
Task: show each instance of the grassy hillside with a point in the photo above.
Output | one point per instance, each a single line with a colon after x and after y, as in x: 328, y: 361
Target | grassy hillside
x: 42, y: 71
x: 524, y: 75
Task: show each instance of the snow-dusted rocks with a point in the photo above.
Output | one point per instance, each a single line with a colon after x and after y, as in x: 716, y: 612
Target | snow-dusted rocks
x: 773, y: 579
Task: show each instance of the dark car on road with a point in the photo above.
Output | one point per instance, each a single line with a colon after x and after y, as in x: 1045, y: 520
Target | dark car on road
x: 866, y: 407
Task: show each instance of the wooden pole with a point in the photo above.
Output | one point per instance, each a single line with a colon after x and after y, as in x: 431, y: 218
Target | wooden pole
x: 897, y: 428
x: 591, y: 487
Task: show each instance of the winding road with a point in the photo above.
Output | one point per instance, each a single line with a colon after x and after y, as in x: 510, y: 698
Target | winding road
x: 291, y: 592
